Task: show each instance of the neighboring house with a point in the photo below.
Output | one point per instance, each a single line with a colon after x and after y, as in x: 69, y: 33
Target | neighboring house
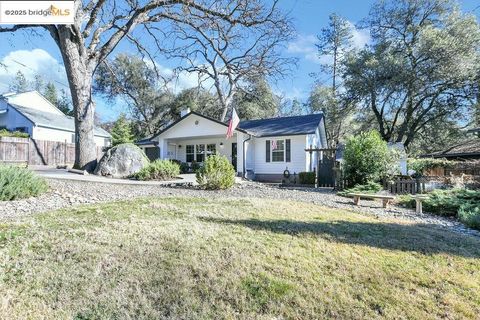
x: 463, y: 151
x: 260, y: 149
x: 467, y: 150
x: 31, y: 113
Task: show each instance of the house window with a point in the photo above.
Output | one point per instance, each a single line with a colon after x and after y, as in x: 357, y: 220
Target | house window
x: 190, y: 151
x: 278, y: 150
x: 211, y: 149
x: 200, y: 152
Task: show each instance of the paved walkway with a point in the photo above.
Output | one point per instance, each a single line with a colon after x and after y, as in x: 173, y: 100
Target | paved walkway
x: 63, y: 174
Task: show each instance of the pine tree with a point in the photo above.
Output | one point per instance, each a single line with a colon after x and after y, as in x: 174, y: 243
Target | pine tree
x: 38, y: 83
x: 121, y: 131
x: 19, y: 83
x: 51, y: 94
x: 65, y: 103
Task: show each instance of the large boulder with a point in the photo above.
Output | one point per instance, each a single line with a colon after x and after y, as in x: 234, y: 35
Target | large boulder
x: 122, y: 161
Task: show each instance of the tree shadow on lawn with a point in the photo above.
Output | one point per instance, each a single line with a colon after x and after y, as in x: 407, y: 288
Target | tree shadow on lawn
x: 426, y: 239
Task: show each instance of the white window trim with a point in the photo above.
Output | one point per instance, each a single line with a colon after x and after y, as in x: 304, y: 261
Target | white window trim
x: 284, y: 151
x: 187, y: 153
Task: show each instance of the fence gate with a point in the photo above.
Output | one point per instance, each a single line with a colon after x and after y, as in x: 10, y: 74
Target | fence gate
x: 325, y: 171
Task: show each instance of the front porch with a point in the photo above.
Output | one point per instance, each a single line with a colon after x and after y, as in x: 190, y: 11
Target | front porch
x: 196, y: 149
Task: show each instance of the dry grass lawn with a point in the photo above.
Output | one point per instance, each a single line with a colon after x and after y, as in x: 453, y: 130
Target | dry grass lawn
x: 232, y: 259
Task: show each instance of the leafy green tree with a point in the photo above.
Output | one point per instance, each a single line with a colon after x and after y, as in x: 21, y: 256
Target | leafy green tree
x: 256, y: 101
x: 19, y: 84
x: 196, y: 99
x: 367, y: 158
x: 421, y: 67
x: 137, y: 83
x: 121, y: 131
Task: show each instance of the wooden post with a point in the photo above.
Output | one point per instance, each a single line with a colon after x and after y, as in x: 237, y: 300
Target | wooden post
x: 385, y: 203
x: 418, y: 206
x: 356, y: 200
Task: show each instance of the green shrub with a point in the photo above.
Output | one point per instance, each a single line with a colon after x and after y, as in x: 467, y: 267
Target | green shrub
x: 18, y: 183
x: 461, y: 203
x: 14, y: 134
x: 368, y: 188
x: 306, y: 177
x: 184, y: 167
x: 217, y: 173
x: 368, y: 158
x: 159, y: 170
x: 470, y: 215
x: 195, y: 166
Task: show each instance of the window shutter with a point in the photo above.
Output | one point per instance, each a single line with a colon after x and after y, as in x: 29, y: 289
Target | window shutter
x: 287, y: 150
x: 267, y: 151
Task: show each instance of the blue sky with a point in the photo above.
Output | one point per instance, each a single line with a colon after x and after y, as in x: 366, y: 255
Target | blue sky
x: 40, y: 55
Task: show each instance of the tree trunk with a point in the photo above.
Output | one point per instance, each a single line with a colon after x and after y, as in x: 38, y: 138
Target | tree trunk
x: 80, y: 69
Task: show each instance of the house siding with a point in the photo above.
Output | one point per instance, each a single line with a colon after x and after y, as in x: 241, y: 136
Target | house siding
x: 298, y: 156
x: 41, y: 133
x: 13, y: 119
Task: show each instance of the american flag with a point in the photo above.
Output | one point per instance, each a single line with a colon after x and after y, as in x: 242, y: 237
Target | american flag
x: 274, y: 144
x: 234, y: 121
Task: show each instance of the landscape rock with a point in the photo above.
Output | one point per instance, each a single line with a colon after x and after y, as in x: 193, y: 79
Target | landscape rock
x: 121, y: 161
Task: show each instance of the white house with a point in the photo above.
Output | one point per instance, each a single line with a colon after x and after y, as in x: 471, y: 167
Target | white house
x: 30, y: 112
x: 261, y: 149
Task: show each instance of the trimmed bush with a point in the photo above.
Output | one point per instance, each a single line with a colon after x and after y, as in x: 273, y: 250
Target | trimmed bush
x: 18, y: 183
x: 159, y: 170
x: 184, y: 167
x: 306, y: 177
x: 195, y: 166
x: 470, y: 215
x: 217, y: 173
x: 368, y: 188
x: 367, y: 158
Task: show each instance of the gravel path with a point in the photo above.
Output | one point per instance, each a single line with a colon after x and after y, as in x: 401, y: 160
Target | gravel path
x: 66, y: 193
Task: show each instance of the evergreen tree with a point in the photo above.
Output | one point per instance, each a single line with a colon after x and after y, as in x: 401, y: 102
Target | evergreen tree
x: 38, y: 83
x: 121, y: 131
x: 65, y: 103
x: 50, y: 93
x: 19, y: 83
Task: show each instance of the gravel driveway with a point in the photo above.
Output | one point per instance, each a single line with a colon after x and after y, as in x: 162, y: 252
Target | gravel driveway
x: 65, y: 193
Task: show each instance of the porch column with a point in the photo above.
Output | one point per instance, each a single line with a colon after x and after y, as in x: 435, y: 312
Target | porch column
x: 163, y: 145
x: 240, y: 153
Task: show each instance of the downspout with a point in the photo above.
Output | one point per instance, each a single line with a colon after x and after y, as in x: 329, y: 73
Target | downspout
x: 244, y: 156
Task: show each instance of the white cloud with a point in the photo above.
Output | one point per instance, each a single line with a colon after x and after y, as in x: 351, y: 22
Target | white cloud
x: 360, y: 37
x: 31, y: 63
x: 305, y: 45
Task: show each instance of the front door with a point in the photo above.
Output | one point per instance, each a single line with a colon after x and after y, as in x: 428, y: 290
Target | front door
x: 234, y: 156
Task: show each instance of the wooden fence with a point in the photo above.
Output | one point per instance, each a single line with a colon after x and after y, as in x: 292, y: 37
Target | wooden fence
x: 405, y: 186
x: 38, y: 152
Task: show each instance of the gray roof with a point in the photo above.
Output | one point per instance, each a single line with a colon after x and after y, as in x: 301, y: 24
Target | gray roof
x: 283, y: 126
x: 52, y: 120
